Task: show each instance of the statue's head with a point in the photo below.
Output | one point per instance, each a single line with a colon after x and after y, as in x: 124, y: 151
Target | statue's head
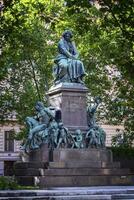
x: 98, y: 100
x: 67, y: 35
x: 39, y: 106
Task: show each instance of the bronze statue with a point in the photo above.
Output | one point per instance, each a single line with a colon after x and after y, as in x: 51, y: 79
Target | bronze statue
x: 68, y: 67
x: 96, y: 136
x: 45, y: 127
x: 39, y: 127
x: 63, y: 136
x: 91, y: 110
x: 78, y: 139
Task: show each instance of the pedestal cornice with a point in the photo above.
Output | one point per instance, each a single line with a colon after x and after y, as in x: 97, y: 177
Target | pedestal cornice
x: 67, y: 87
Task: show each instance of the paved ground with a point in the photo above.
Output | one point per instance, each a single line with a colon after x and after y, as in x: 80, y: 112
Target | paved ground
x: 72, y: 193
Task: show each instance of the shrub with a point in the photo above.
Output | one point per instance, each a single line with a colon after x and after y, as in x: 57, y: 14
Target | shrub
x: 123, y: 144
x: 123, y: 152
x: 8, y: 183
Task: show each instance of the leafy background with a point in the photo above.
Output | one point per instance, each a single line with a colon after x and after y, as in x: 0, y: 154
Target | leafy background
x: 103, y: 32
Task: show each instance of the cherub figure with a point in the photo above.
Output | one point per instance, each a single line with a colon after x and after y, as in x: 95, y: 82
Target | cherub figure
x: 63, y: 132
x: 78, y: 139
x: 92, y: 138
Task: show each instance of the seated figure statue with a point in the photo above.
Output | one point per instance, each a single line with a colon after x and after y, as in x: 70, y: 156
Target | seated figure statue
x: 39, y: 127
x: 46, y: 127
x: 68, y: 67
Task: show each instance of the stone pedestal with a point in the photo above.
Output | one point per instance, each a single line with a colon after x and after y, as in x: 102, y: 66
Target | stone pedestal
x: 71, y: 99
x: 60, y: 155
x: 44, y: 154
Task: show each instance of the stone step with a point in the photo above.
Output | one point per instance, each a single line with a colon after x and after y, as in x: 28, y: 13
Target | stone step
x: 72, y: 193
x: 70, y: 172
x: 84, y: 172
x: 25, y: 165
x: 80, y: 181
x: 78, y: 197
x: 74, y: 181
x: 84, y: 164
x: 62, y: 164
x: 27, y: 180
x: 29, y: 172
x: 123, y: 196
x: 75, y: 197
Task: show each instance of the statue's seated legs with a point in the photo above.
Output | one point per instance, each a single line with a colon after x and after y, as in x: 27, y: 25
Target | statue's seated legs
x: 60, y: 73
x: 76, y: 71
x: 69, y: 70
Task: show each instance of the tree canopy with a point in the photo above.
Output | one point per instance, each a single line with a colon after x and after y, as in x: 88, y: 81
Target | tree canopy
x: 103, y: 32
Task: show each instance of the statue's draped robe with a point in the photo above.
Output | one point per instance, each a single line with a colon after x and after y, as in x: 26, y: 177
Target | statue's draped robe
x: 67, y: 62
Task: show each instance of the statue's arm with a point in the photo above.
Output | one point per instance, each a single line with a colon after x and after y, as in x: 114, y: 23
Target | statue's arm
x: 36, y: 129
x: 93, y: 109
x: 64, y: 51
x: 50, y: 114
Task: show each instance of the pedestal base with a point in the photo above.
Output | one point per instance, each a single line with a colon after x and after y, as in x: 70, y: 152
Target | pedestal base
x: 70, y: 98
x: 73, y: 168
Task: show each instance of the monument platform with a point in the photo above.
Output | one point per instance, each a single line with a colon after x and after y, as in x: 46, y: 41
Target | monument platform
x: 50, y: 166
x: 73, y: 168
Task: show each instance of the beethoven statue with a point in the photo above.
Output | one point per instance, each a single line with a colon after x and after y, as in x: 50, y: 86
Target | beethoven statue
x: 68, y: 67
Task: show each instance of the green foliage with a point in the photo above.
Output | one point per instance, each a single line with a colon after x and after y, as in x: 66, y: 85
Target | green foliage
x: 27, y: 52
x: 22, y: 135
x: 29, y: 34
x: 123, y: 152
x: 7, y: 183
